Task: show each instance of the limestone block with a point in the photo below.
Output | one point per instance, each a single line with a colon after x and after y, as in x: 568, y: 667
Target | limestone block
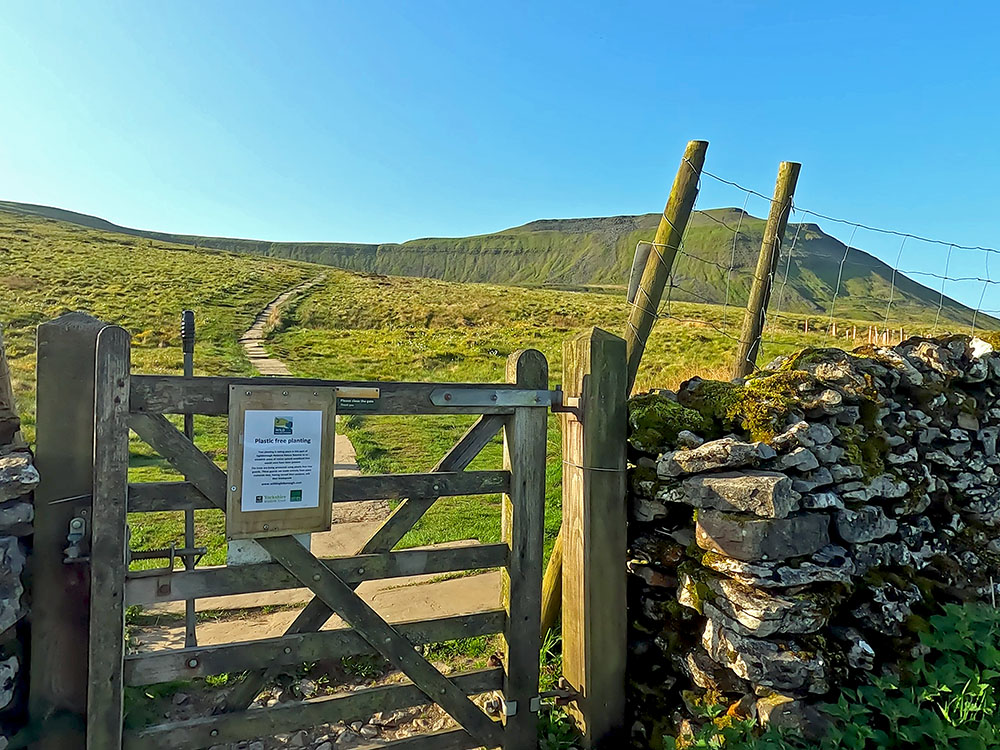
x: 767, y: 494
x: 750, y: 539
x: 772, y: 664
x: 11, y: 566
x: 829, y: 565
x: 726, y: 453
x: 863, y: 525
x: 17, y: 475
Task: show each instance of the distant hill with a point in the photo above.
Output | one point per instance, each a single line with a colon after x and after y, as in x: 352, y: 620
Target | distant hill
x: 597, y: 253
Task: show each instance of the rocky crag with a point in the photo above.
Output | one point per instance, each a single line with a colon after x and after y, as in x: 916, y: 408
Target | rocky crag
x: 790, y: 533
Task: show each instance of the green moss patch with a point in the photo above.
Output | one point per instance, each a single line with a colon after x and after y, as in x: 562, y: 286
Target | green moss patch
x: 656, y: 420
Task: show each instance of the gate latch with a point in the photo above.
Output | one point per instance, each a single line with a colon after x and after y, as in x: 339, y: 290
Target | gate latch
x: 170, y: 554
x: 76, y: 537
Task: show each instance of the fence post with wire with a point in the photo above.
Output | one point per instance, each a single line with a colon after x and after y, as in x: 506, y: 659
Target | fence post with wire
x: 767, y: 263
x: 663, y: 249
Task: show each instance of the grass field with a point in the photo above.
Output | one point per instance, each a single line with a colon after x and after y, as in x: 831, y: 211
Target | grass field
x: 351, y: 326
x: 394, y: 328
x: 48, y: 268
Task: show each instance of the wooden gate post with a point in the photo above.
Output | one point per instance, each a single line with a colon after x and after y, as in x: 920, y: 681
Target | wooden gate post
x: 64, y: 456
x: 594, y: 535
x: 767, y: 264
x: 523, y: 523
x: 109, y: 512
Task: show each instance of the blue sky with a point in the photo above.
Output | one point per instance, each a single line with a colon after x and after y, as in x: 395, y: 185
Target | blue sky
x: 384, y: 121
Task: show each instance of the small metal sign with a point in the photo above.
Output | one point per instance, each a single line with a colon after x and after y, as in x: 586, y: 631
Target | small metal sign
x: 280, y: 464
x: 354, y: 405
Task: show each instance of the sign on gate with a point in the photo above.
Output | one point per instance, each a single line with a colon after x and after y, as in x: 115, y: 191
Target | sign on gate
x: 280, y: 466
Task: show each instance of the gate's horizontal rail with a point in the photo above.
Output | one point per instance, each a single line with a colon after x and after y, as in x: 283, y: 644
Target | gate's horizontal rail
x: 188, y: 663
x: 246, y: 579
x: 146, y: 497
x: 449, y: 739
x: 174, y: 394
x: 290, y: 717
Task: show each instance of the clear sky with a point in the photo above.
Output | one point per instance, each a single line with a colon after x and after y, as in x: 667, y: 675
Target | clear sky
x: 384, y: 121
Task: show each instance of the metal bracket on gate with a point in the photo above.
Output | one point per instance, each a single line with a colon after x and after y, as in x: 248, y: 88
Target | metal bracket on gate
x: 76, y: 537
x: 491, y: 397
x: 170, y: 554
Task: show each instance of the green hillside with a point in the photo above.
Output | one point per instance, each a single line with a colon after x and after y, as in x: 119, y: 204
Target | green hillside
x: 597, y: 253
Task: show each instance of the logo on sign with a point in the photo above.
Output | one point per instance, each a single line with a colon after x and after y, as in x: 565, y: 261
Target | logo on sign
x: 295, y: 496
x: 282, y: 425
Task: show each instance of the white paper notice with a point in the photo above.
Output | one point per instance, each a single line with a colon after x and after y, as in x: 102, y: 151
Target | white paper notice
x: 281, y: 458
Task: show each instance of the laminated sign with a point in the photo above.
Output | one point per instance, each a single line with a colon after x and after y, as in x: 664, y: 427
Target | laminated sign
x: 280, y: 460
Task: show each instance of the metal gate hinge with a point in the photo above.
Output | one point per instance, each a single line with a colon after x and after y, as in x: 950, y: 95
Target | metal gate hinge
x: 491, y: 397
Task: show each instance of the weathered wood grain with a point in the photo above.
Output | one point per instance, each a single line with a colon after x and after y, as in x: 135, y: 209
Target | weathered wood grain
x: 594, y: 536
x: 523, y: 525
x: 224, y: 580
x: 153, y: 497
x: 106, y: 646
x: 340, y: 598
x: 643, y: 314
x: 189, y: 663
x: 767, y: 264
x: 404, y: 516
x: 64, y: 455
x: 203, y: 732
x: 173, y: 394
x: 182, y: 454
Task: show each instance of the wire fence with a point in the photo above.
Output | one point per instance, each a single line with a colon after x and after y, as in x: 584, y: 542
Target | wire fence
x: 877, y: 286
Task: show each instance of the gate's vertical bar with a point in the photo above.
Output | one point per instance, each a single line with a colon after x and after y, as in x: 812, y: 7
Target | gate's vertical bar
x: 190, y: 614
x: 108, y: 541
x: 64, y: 455
x: 594, y: 535
x: 524, y: 443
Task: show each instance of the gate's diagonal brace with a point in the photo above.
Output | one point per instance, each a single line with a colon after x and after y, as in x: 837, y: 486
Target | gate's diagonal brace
x: 181, y: 453
x: 407, y: 513
x: 340, y: 597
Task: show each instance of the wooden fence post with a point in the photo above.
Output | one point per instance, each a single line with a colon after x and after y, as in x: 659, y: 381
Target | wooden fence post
x: 10, y: 424
x: 64, y: 457
x: 767, y: 262
x: 523, y: 525
x: 109, y: 512
x: 642, y: 313
x: 594, y: 535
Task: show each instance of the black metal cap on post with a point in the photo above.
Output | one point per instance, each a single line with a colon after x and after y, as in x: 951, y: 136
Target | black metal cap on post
x: 187, y: 331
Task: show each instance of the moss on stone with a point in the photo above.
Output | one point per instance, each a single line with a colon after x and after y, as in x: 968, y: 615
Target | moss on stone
x: 656, y: 420
x: 865, y: 443
x: 760, y: 407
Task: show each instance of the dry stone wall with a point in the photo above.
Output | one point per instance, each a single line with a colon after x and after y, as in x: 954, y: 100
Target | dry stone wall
x: 17, y: 480
x: 790, y: 533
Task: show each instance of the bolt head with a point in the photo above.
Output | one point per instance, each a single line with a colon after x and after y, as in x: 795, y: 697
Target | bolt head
x: 192, y: 663
x: 316, y: 576
x: 214, y: 733
x: 361, y: 571
x: 233, y: 488
x: 447, y: 397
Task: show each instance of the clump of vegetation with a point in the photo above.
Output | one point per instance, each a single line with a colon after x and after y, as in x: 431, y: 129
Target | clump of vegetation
x: 656, y: 419
x: 760, y: 407
x: 943, y: 700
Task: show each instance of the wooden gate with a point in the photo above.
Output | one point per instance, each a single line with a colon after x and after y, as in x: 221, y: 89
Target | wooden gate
x: 140, y: 403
